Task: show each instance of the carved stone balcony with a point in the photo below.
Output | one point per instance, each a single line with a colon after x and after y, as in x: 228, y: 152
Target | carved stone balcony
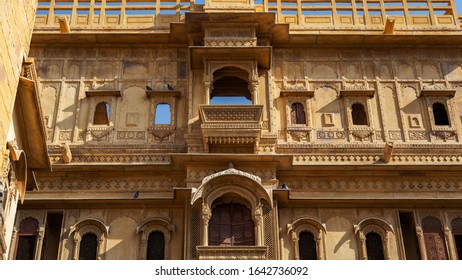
x: 231, y: 124
x: 232, y: 253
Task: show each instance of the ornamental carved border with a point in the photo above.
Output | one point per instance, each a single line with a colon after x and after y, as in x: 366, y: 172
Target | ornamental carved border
x: 149, y: 183
x: 374, y: 184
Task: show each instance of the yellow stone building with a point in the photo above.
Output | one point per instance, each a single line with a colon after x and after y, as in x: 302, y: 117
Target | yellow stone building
x: 245, y: 129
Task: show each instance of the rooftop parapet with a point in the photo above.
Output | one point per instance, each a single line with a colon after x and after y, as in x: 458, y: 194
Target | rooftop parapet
x: 299, y: 14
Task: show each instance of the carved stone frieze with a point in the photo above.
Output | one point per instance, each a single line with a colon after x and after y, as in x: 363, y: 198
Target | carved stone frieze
x: 403, y: 159
x: 395, y: 135
x: 374, y: 184
x: 131, y: 135
x: 328, y: 134
x: 418, y: 135
x: 65, y: 135
x: 139, y: 183
x: 114, y: 158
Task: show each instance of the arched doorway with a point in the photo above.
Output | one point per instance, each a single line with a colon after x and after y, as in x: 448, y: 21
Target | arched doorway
x: 231, y: 224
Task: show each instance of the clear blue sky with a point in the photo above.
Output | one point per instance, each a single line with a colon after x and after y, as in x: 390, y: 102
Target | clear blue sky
x: 458, y: 4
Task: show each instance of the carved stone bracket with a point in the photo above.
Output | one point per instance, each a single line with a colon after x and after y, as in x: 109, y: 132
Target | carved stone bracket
x: 361, y: 135
x: 99, y: 133
x: 161, y: 134
x: 299, y: 134
x: 444, y: 134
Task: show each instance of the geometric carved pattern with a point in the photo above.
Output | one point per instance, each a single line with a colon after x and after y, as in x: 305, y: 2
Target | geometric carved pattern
x: 370, y: 184
x: 144, y: 183
x: 371, y: 159
x: 118, y: 158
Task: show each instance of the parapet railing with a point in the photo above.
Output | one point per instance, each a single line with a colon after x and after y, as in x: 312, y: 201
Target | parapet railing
x: 300, y: 14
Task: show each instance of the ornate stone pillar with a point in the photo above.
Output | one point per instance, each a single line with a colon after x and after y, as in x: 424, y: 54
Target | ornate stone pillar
x: 206, y: 215
x: 320, y: 245
x: 258, y: 214
x: 76, y: 246
x: 362, y: 246
x: 40, y: 236
x: 386, y: 249
x: 295, y: 240
x: 100, y: 248
x: 253, y: 87
x: 420, y: 237
x: 143, y: 246
x: 207, y: 80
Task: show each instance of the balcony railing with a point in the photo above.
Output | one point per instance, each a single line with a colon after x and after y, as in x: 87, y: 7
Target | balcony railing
x: 300, y: 14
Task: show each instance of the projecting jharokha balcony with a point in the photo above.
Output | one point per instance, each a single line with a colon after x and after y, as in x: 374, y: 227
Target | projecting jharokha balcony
x: 231, y: 125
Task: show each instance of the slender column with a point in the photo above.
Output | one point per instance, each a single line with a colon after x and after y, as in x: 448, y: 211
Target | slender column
x: 320, y: 244
x: 362, y: 243
x: 258, y: 225
x: 76, y: 246
x: 295, y: 240
x: 450, y: 244
x: 420, y: 237
x: 386, y: 249
x: 206, y: 215
x: 39, y: 243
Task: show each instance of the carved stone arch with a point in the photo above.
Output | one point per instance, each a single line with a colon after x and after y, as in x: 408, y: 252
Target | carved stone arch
x: 310, y: 225
x: 322, y: 86
x: 375, y: 225
x: 238, y: 186
x: 149, y: 226
x: 19, y: 159
x: 90, y: 225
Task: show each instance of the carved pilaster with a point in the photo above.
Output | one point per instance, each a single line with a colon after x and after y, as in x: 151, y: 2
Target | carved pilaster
x: 206, y: 215
x: 420, y: 238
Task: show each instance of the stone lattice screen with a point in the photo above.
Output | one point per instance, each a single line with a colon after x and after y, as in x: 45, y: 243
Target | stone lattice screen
x: 300, y: 14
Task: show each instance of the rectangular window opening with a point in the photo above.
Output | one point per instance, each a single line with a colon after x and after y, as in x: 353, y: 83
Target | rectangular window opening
x: 409, y: 233
x: 52, y: 236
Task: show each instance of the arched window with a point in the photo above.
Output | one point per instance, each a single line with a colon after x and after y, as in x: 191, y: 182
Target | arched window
x: 231, y: 224
x: 27, y: 239
x: 156, y: 246
x: 90, y: 235
x: 373, y: 235
x: 163, y: 114
x: 230, y: 87
x: 434, y: 239
x: 102, y: 114
x: 297, y: 114
x: 88, y: 247
x: 440, y: 114
x: 456, y: 225
x: 154, y: 237
x: 307, y: 246
x: 308, y: 239
x: 358, y: 114
x: 374, y: 246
